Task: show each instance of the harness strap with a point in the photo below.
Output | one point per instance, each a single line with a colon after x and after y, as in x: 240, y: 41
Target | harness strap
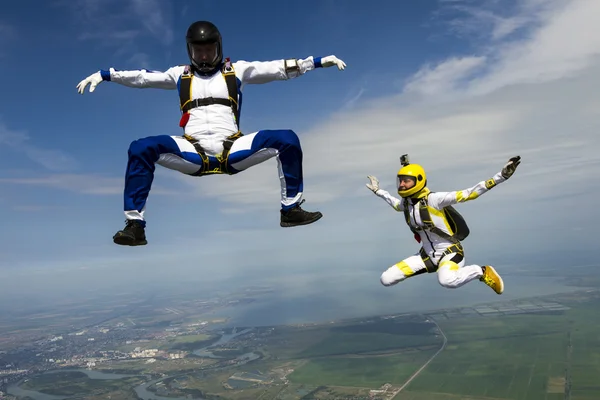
x: 199, y: 150
x: 223, y: 158
x: 185, y: 92
x: 186, y: 104
x: 426, y: 219
x: 456, y: 246
x: 430, y: 265
x: 232, y: 89
x: 407, y: 216
x: 185, y: 87
x: 189, y: 104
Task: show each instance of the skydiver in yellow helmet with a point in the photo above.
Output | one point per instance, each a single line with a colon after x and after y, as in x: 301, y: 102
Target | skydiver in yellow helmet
x: 438, y: 227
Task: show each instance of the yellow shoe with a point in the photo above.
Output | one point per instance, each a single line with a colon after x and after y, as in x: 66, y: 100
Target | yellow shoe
x: 492, y: 279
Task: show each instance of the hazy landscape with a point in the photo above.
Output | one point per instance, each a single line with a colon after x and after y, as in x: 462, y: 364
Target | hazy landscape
x: 538, y: 346
x: 224, y: 304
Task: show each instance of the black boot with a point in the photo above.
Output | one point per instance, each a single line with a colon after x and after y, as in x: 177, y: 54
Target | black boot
x: 297, y: 216
x: 132, y: 235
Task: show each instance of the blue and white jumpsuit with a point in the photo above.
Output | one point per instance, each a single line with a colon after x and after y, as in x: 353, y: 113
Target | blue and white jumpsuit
x: 210, y: 125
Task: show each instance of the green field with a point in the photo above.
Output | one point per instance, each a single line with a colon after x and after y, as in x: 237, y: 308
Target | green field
x: 363, y: 355
x: 380, y: 336
x: 517, y: 357
x: 369, y: 372
x: 78, y: 384
x: 527, y: 356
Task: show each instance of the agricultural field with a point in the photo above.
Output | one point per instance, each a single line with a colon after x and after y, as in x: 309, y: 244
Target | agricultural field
x: 75, y: 384
x: 340, y: 360
x: 550, y: 354
x: 527, y: 357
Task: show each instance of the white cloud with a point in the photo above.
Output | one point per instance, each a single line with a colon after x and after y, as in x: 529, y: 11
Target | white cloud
x: 442, y: 79
x: 462, y: 119
x: 123, y: 25
x: 152, y: 14
x: 91, y: 184
x: 57, y: 169
x: 553, y: 51
x: 493, y: 20
x: 522, y: 94
x: 19, y: 141
x: 86, y: 184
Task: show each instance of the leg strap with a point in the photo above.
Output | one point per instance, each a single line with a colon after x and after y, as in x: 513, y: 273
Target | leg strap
x: 222, y: 159
x: 430, y: 265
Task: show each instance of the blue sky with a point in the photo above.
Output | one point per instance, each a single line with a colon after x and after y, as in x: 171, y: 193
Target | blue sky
x: 460, y: 85
x: 77, y: 144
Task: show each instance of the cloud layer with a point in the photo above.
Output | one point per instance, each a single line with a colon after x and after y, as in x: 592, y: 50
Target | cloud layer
x: 122, y: 25
x: 464, y: 116
x: 529, y: 88
x: 530, y: 91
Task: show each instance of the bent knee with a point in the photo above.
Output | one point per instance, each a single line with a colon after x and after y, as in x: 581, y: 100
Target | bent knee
x: 448, y: 279
x: 389, y: 279
x: 140, y: 147
x: 289, y: 137
x: 385, y: 280
x: 152, y: 146
x: 448, y: 275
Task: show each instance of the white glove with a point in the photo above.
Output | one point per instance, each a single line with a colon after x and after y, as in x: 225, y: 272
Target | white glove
x: 93, y: 80
x: 330, y: 61
x: 374, y: 185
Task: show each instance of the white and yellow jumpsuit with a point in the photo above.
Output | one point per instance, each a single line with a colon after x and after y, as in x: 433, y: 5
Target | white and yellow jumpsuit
x: 449, y: 259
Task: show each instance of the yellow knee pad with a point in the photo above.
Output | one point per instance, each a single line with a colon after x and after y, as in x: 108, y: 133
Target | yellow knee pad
x: 450, y: 264
x: 404, y: 267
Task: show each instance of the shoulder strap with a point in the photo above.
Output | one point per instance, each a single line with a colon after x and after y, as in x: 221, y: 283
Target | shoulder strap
x: 185, y: 87
x: 185, y: 91
x: 232, y: 87
x: 428, y: 222
x: 407, y: 215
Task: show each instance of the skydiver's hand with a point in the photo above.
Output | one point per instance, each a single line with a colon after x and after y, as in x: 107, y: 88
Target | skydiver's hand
x: 330, y: 61
x: 374, y: 185
x: 511, y: 166
x: 93, y: 80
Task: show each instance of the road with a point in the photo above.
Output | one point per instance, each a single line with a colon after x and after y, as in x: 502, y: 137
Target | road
x: 413, y: 376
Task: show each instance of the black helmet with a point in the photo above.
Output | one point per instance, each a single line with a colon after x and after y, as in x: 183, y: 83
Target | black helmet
x: 204, y: 46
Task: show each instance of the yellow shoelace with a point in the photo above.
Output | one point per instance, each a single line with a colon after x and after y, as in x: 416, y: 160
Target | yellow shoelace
x: 488, y: 280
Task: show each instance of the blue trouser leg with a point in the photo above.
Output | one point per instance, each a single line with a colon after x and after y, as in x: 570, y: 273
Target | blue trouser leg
x: 143, y: 155
x: 246, y: 152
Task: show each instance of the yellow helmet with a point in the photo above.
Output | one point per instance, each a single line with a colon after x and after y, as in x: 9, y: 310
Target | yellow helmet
x: 415, y: 173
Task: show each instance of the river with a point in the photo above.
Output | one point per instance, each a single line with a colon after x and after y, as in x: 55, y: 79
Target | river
x: 337, y: 302
x: 15, y: 389
x: 141, y: 390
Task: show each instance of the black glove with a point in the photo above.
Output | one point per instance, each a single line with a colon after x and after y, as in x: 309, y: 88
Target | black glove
x: 511, y: 166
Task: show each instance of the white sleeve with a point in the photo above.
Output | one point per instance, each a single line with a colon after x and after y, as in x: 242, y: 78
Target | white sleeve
x: 394, y: 202
x: 440, y: 200
x: 257, y: 72
x: 143, y: 78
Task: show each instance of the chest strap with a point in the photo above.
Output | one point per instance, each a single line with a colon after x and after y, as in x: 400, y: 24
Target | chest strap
x: 186, y: 103
x: 204, y: 102
x: 426, y: 220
